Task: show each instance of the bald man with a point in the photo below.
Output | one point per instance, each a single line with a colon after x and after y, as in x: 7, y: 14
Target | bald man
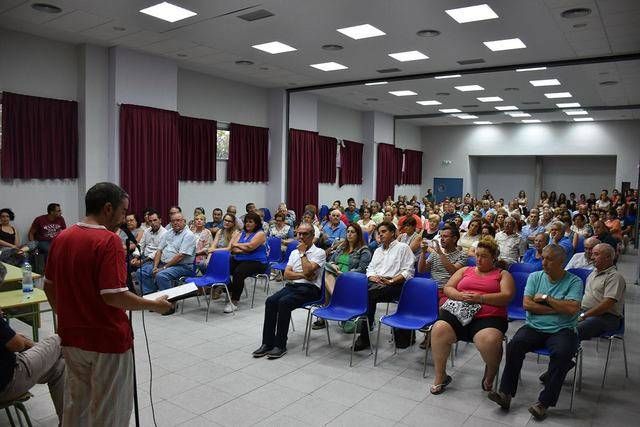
x: 584, y: 259
x: 334, y: 229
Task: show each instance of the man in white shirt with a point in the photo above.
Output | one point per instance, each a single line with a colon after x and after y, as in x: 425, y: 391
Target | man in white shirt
x: 584, y: 259
x: 150, y: 241
x: 390, y: 266
x: 304, y: 279
x: 512, y: 246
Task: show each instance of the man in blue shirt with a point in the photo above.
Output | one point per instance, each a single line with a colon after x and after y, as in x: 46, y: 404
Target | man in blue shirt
x: 552, y: 301
x: 216, y: 222
x: 334, y: 229
x: 351, y: 212
x: 532, y: 229
x: 556, y: 235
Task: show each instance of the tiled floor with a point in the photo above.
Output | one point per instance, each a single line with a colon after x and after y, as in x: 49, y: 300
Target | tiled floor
x: 204, y: 375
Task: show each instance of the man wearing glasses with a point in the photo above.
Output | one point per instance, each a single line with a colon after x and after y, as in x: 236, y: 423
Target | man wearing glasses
x: 304, y: 278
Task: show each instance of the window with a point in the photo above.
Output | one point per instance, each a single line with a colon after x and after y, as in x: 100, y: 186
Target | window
x: 222, y: 146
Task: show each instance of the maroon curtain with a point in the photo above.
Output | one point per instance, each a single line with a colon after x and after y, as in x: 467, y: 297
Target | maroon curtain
x: 399, y: 165
x: 149, y: 157
x: 303, y: 171
x: 248, y: 154
x: 412, y: 173
x: 351, y: 163
x: 327, y: 152
x: 197, y: 149
x: 39, y: 137
x: 387, y: 171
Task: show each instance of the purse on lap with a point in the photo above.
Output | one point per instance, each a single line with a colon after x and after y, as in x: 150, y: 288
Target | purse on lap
x: 463, y: 311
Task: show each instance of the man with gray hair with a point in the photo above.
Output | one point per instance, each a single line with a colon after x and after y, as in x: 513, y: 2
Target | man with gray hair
x: 512, y: 246
x: 556, y: 233
x: 334, y: 230
x: 584, y: 259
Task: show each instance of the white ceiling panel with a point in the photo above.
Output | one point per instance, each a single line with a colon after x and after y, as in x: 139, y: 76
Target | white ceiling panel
x: 77, y: 20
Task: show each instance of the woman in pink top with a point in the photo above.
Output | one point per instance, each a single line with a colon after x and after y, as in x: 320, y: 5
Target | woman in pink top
x: 493, y: 289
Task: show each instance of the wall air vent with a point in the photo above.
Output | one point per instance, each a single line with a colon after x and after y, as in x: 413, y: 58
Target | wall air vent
x: 255, y: 15
x: 389, y: 70
x: 471, y: 61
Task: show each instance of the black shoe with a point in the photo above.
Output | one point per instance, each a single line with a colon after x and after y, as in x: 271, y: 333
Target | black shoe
x: 319, y: 324
x: 501, y: 399
x: 262, y: 351
x: 538, y: 410
x: 361, y: 344
x: 276, y: 353
x: 173, y: 310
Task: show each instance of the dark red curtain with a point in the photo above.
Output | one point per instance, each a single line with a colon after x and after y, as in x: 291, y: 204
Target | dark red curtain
x: 197, y: 149
x: 327, y: 152
x: 39, y: 137
x: 303, y: 171
x: 248, y: 154
x: 149, y: 157
x: 388, y: 170
x: 351, y: 163
x: 412, y: 167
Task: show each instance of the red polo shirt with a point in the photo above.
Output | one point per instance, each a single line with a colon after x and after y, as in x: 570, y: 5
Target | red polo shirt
x: 85, y: 262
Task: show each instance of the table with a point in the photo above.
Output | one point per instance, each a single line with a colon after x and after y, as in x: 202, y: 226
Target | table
x: 13, y: 279
x: 30, y: 300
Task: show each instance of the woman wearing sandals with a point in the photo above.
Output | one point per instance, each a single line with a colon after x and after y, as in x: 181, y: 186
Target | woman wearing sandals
x: 476, y: 310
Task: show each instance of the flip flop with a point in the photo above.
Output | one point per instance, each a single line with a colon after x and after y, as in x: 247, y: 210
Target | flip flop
x: 439, y: 388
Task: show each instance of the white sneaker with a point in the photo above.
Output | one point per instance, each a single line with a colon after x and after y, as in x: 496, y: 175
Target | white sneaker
x: 230, y: 307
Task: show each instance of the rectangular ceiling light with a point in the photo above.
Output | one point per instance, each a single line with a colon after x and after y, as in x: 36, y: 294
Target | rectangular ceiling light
x: 450, y: 110
x: 518, y: 114
x: 583, y: 119
x: 558, y: 95
x: 530, y: 121
x: 168, y: 12
x: 448, y: 76
x: 363, y: 31
x: 469, y: 88
x: 506, y: 107
x: 375, y: 83
x: 402, y: 92
x: 480, y: 12
x: 329, y: 66
x: 569, y: 105
x: 483, y: 122
x: 274, y: 47
x: 466, y: 116
x: 412, y: 55
x: 507, y: 44
x: 575, y: 112
x: 431, y: 102
x: 547, y: 82
x: 490, y: 99
x: 519, y: 70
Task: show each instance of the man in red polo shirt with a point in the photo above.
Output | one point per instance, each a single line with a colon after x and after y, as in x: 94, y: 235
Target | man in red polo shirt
x: 85, y: 281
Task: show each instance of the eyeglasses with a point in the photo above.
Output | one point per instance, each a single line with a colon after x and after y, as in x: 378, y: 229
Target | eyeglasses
x: 227, y: 220
x: 300, y: 233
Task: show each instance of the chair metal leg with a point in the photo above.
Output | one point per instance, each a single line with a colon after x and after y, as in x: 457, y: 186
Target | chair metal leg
x: 253, y: 294
x: 375, y: 357
x: 573, y: 388
x: 624, y: 354
x: 10, y: 417
x: 353, y: 341
x: 208, y: 301
x: 426, y: 353
x: 580, y: 373
x: 606, y: 363
x: 369, y: 336
x: 306, y: 330
x: 451, y: 356
x: 20, y: 406
x: 293, y: 327
x: 327, y: 328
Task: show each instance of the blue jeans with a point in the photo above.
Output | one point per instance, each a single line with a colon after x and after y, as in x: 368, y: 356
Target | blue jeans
x: 163, y: 279
x: 593, y: 327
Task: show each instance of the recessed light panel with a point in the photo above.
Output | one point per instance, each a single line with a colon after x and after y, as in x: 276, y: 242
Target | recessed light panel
x: 469, y: 88
x: 448, y: 76
x: 375, y: 83
x: 546, y: 82
x: 490, y: 99
x: 274, y: 47
x: 361, y: 31
x: 329, y: 66
x: 466, y: 116
x: 583, y: 119
x: 506, y: 107
x: 412, y: 55
x: 569, y: 105
x: 480, y: 12
x: 431, y: 102
x: 506, y: 44
x: 530, y: 121
x: 520, y: 70
x: 558, y: 95
x: 168, y: 12
x: 518, y: 114
x: 450, y: 110
x: 575, y: 112
x: 483, y: 122
x: 403, y: 93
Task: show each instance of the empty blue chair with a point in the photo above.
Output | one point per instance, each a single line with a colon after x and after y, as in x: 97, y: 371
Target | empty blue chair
x: 515, y: 311
x: 274, y: 249
x: 582, y: 273
x: 580, y: 245
x: 417, y: 308
x: 282, y: 265
x: 522, y: 267
x: 218, y: 274
x: 267, y: 214
x: 365, y: 236
x: 471, y: 261
x: 323, y: 213
x: 349, y: 301
x: 612, y: 336
x: 577, y: 371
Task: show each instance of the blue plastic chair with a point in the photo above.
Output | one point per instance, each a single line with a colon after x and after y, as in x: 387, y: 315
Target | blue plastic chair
x: 323, y: 213
x: 515, y: 311
x: 417, y: 308
x: 580, y: 245
x: 425, y: 275
x: 282, y: 265
x: 577, y: 372
x: 471, y: 261
x: 267, y: 214
x: 522, y: 267
x: 612, y: 336
x: 365, y: 236
x: 349, y: 301
x: 218, y: 274
x: 310, y: 306
x: 274, y: 249
x: 582, y: 273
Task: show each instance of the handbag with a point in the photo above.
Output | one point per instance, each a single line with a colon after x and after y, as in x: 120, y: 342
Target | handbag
x: 463, y: 311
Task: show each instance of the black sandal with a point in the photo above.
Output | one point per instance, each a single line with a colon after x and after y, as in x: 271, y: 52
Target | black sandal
x: 439, y: 388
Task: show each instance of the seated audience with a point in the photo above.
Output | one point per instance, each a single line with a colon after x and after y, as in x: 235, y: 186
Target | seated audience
x: 11, y: 250
x: 614, y: 224
x: 281, y: 229
x: 352, y: 254
x: 308, y: 218
x: 584, y: 259
x: 46, y: 227
x: 203, y: 242
x: 411, y: 236
x: 131, y: 222
x: 512, y: 246
x: 490, y: 290
x: 603, y: 203
x: 432, y: 227
x: 249, y: 207
x: 215, y: 224
x: 580, y: 229
x: 150, y: 242
x: 25, y: 364
x: 552, y: 301
x: 366, y: 222
x: 390, y: 266
x: 196, y: 211
x: 223, y: 239
x: 232, y: 210
x: 533, y: 255
x: 465, y: 214
x: 334, y: 230
x: 556, y: 236
x: 351, y: 213
x: 602, y: 233
x: 532, y: 228
x: 290, y: 216
x: 471, y: 236
x: 376, y: 212
x: 249, y: 257
x: 303, y: 276
x: 172, y: 210
x: 449, y: 211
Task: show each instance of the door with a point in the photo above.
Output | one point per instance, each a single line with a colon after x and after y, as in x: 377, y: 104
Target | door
x: 447, y: 187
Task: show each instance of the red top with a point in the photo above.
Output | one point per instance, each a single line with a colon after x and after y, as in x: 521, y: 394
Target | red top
x: 46, y: 229
x: 488, y: 283
x: 86, y: 261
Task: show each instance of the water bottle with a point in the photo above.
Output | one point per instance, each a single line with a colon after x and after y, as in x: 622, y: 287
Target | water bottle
x: 27, y: 277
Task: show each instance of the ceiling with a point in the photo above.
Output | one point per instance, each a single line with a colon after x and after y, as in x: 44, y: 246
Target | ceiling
x: 215, y: 39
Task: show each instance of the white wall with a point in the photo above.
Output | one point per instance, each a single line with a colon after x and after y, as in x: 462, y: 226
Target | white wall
x: 407, y: 136
x: 31, y: 65
x: 458, y: 143
x: 567, y: 174
x: 505, y: 176
x: 303, y: 111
